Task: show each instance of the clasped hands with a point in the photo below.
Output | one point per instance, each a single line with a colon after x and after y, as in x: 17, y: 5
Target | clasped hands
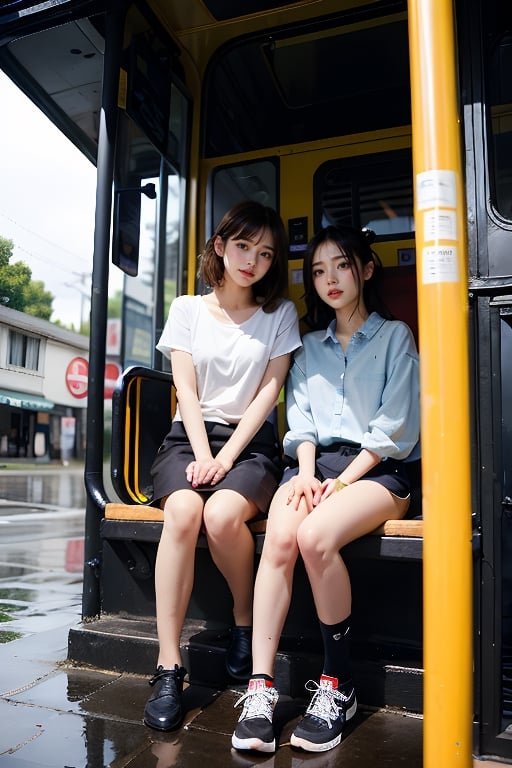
x: 312, y: 490
x: 206, y: 471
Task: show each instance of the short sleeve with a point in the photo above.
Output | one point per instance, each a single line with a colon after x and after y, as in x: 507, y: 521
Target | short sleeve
x: 176, y: 332
x: 287, y: 338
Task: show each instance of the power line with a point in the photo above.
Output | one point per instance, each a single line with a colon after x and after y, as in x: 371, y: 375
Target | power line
x: 44, y: 239
x: 53, y: 263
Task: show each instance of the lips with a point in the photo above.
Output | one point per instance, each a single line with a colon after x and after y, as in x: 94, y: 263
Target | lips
x: 247, y: 274
x: 334, y: 294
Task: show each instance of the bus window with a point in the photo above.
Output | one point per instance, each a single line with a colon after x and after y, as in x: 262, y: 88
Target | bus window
x: 368, y: 191
x: 138, y: 293
x: 348, y: 76
x: 142, y: 292
x: 376, y: 192
x: 246, y: 181
x: 500, y: 166
x: 151, y: 149
x: 133, y: 247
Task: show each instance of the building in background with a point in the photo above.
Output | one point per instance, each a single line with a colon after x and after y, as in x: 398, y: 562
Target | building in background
x: 43, y: 388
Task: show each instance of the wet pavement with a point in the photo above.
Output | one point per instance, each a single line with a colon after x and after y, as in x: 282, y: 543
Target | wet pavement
x: 41, y: 549
x: 55, y: 715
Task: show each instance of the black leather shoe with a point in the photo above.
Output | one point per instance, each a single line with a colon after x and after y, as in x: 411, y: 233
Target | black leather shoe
x: 239, y: 653
x: 163, y: 710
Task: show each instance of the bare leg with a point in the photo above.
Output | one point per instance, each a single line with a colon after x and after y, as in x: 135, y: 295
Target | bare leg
x: 174, y: 572
x: 358, y: 509
x: 273, y: 587
x: 231, y: 546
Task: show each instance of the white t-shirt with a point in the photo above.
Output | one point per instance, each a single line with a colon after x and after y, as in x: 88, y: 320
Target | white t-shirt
x: 229, y: 359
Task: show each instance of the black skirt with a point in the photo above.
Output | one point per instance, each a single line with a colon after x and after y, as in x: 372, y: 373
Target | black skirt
x: 331, y: 460
x: 255, y: 474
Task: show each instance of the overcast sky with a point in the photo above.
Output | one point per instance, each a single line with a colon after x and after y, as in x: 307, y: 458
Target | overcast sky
x: 47, y: 197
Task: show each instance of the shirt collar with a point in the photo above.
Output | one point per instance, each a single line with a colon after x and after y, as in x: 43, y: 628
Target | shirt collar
x: 368, y: 328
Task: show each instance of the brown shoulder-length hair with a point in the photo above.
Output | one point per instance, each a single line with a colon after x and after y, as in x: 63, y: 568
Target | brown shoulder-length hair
x: 355, y: 245
x: 247, y: 220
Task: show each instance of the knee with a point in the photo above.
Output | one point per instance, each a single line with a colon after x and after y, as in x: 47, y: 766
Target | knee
x: 311, y: 544
x: 181, y: 519
x: 280, y: 548
x: 219, y: 525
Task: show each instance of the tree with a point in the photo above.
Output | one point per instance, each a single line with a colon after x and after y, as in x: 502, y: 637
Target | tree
x: 18, y: 290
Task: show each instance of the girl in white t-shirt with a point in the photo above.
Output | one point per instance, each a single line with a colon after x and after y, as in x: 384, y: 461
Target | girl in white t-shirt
x: 219, y: 465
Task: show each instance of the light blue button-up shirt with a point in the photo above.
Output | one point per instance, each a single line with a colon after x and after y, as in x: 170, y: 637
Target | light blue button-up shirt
x: 368, y: 396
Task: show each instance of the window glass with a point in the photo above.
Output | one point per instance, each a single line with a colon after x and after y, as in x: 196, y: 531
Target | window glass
x: 178, y: 126
x: 329, y: 81
x: 246, y: 181
x: 151, y: 282
x: 23, y: 351
x: 368, y: 191
x: 500, y: 88
x: 173, y: 239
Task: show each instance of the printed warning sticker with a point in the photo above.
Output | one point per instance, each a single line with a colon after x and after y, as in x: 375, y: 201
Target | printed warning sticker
x: 440, y: 264
x: 436, y: 189
x: 440, y: 225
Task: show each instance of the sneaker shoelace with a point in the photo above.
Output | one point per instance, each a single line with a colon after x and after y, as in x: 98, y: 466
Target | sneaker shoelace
x: 323, y: 704
x: 257, y: 704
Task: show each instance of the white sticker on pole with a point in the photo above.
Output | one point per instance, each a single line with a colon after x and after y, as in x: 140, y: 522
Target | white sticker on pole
x: 440, y: 264
x: 436, y: 189
x: 440, y: 225
x: 436, y: 197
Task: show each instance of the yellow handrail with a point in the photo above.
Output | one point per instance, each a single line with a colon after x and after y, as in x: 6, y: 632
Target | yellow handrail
x: 443, y: 335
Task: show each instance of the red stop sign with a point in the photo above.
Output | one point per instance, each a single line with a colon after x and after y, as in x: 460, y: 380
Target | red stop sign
x: 112, y: 371
x: 76, y: 377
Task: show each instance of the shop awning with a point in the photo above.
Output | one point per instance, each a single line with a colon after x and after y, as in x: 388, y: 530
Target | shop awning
x: 23, y: 400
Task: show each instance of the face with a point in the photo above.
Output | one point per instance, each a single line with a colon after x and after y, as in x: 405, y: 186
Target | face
x: 246, y: 261
x: 335, y: 278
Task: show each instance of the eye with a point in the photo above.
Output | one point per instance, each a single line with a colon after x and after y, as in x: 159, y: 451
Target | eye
x: 317, y: 272
x: 266, y: 255
x: 343, y: 264
x: 243, y: 246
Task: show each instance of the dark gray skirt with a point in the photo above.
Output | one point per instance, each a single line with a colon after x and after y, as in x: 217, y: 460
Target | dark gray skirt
x: 255, y: 474
x: 333, y: 459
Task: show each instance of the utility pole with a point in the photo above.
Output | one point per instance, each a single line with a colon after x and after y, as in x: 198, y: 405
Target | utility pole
x: 84, y: 293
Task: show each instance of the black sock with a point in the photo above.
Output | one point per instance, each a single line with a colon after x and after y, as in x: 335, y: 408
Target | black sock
x: 262, y: 677
x: 336, y: 640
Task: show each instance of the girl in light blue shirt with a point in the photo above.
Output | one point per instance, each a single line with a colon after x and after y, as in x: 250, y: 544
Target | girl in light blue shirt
x: 353, y: 416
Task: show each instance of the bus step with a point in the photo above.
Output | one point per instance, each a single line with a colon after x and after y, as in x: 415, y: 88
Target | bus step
x: 130, y: 645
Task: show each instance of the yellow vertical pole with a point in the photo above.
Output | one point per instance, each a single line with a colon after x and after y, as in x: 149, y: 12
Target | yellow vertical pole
x: 443, y: 338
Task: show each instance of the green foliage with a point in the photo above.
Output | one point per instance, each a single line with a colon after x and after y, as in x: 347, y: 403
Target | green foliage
x: 38, y: 302
x: 18, y: 290
x: 169, y: 294
x: 6, y: 247
x: 115, y: 304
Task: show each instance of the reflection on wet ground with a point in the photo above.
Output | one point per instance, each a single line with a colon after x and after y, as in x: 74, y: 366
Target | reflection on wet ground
x: 53, y: 715
x: 60, y: 486
x: 41, y: 550
x: 78, y: 717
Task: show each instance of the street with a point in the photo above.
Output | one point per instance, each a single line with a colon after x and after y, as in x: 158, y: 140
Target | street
x: 41, y: 549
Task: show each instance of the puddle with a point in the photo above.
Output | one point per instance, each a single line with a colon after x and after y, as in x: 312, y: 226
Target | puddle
x: 62, y: 489
x: 42, y: 526
x: 40, y: 586
x: 6, y: 611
